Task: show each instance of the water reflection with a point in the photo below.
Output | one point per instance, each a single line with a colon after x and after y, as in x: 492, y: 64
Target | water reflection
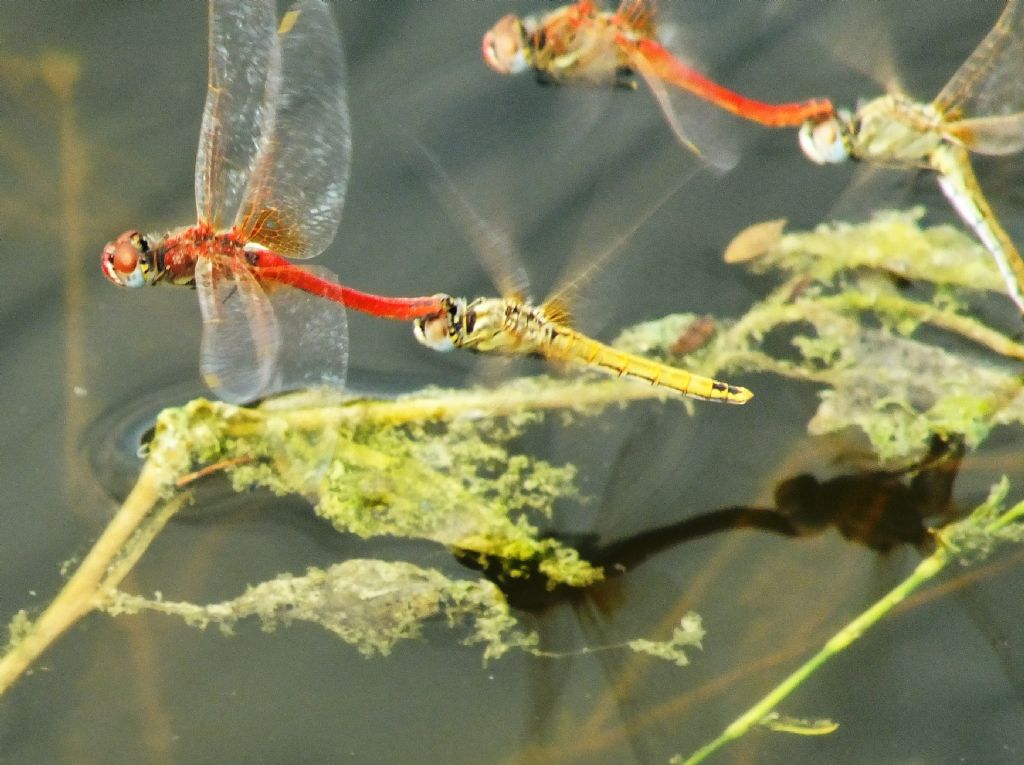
x: 878, y: 509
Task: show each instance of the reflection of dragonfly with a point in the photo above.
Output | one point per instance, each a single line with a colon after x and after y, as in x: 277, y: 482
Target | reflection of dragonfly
x: 511, y: 325
x: 879, y: 509
x: 273, y: 161
x: 579, y: 43
x: 981, y: 109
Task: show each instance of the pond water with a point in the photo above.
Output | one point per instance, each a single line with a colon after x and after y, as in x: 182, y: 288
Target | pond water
x: 108, y: 143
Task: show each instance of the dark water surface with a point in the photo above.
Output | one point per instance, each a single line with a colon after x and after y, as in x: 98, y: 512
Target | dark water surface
x: 84, y: 368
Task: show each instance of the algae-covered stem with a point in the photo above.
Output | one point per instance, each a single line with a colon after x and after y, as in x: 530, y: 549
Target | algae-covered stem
x: 153, y: 499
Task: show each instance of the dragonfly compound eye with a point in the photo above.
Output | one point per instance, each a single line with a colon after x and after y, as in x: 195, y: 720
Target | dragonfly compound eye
x: 123, y: 262
x: 433, y: 332
x: 438, y: 330
x: 825, y: 141
x: 505, y: 46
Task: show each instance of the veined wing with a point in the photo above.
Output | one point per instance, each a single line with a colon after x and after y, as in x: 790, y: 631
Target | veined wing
x: 239, y: 349
x: 991, y: 80
x: 241, y: 92
x: 297, y: 189
x: 313, y: 332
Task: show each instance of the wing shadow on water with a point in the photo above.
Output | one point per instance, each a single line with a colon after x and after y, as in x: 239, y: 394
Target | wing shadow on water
x: 881, y: 510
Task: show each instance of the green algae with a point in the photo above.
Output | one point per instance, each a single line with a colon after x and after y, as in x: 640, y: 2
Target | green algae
x: 370, y: 604
x: 687, y: 634
x: 898, y: 367
x: 892, y: 242
x: 454, y: 483
x: 435, y: 465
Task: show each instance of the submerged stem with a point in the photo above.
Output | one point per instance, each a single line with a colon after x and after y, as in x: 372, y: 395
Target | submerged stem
x: 978, y: 523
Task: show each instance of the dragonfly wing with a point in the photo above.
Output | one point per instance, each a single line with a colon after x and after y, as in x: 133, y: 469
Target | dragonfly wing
x: 997, y: 135
x: 494, y: 247
x: 295, y: 195
x: 313, y: 336
x: 241, y: 90
x: 837, y: 30
x: 991, y: 80
x: 239, y: 349
x: 698, y: 124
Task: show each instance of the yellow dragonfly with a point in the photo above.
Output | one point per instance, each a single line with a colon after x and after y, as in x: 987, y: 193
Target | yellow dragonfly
x: 514, y: 326
x: 511, y: 325
x: 981, y: 109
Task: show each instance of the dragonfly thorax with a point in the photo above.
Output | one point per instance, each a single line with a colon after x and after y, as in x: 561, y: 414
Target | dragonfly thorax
x: 896, y: 131
x: 891, y: 130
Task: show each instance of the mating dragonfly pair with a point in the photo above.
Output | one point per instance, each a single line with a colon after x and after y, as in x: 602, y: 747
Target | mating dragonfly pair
x: 273, y: 161
x: 981, y: 109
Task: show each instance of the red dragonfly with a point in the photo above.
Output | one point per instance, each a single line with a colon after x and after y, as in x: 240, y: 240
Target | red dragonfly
x: 580, y: 43
x: 271, y: 172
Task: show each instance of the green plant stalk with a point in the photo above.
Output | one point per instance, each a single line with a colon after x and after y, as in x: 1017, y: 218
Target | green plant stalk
x: 926, y: 570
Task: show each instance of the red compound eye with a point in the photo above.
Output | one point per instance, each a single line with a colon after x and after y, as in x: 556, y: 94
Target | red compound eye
x: 125, y: 257
x: 121, y: 258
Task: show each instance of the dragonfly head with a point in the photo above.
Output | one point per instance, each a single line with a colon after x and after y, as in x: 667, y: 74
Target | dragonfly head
x: 827, y: 141
x: 128, y: 261
x: 442, y: 331
x: 506, y: 46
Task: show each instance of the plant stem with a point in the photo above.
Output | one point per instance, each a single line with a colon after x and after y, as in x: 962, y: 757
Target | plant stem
x: 87, y: 587
x: 926, y: 570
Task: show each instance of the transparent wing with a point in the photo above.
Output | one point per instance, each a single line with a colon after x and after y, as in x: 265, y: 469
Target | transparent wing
x: 698, y: 125
x: 991, y: 80
x: 297, y: 188
x: 998, y: 135
x: 239, y: 349
x: 490, y: 243
x: 241, y: 90
x: 313, y: 332
x: 495, y: 248
x: 837, y: 30
x: 584, y: 263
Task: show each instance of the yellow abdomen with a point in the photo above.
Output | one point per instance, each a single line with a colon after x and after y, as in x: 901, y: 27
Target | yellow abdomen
x: 566, y: 344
